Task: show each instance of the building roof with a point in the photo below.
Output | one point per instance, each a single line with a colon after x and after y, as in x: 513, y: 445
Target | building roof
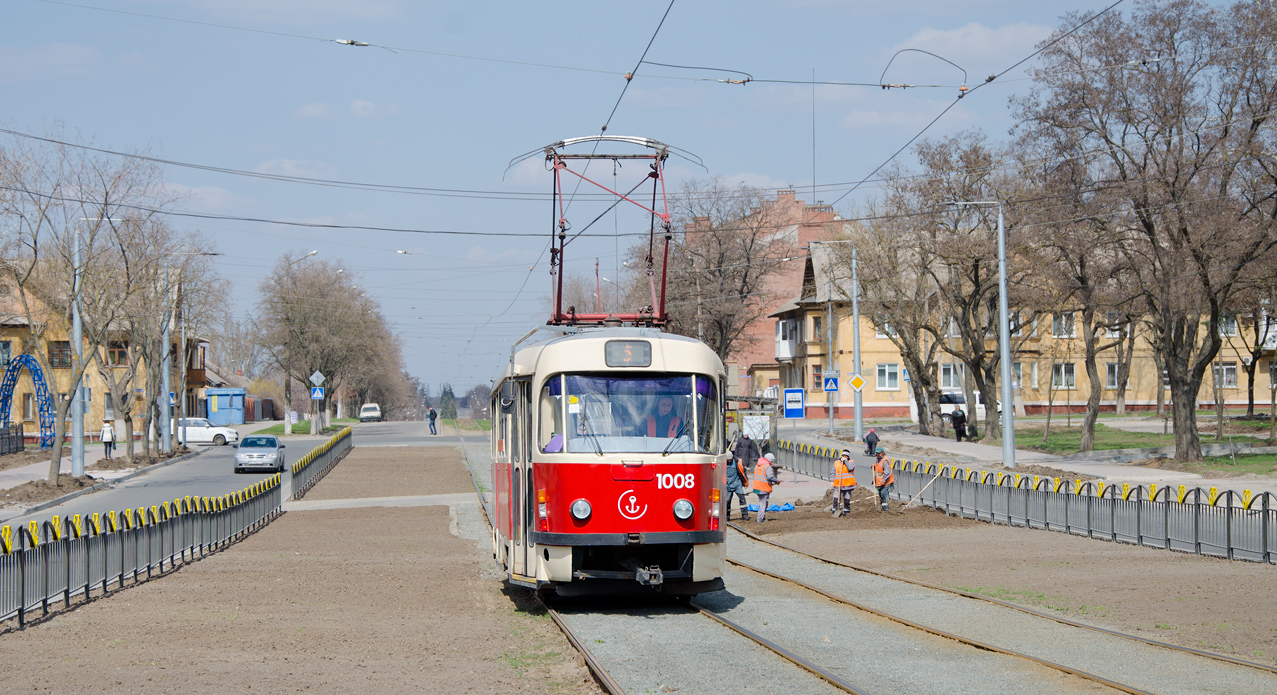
x: 825, y: 264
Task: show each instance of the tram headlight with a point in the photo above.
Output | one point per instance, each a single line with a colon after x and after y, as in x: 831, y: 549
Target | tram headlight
x: 683, y: 510
x: 581, y: 510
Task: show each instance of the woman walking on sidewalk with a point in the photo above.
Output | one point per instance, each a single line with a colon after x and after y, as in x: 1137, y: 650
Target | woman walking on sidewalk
x: 108, y: 438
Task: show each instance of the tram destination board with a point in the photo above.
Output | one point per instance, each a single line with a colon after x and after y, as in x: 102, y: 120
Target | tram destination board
x: 627, y: 353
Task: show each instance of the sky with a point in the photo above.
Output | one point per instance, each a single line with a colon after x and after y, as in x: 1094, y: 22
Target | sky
x: 447, y: 94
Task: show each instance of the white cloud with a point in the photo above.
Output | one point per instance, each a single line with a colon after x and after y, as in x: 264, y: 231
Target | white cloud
x: 367, y: 109
x: 979, y: 49
x: 45, y: 63
x: 295, y: 167
x: 212, y: 198
x: 315, y: 109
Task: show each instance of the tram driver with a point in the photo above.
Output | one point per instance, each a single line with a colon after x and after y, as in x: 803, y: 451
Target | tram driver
x: 665, y: 422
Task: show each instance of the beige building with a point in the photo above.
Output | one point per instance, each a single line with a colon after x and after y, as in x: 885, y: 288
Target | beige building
x: 1047, y: 361
x: 23, y: 407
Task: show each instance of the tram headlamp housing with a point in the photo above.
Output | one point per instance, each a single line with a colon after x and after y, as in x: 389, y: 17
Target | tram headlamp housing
x: 683, y: 510
x: 581, y: 509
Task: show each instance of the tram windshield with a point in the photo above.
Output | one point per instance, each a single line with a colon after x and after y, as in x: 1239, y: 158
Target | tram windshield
x: 584, y: 413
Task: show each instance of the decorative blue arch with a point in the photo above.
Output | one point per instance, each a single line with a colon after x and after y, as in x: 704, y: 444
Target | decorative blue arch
x: 44, y: 402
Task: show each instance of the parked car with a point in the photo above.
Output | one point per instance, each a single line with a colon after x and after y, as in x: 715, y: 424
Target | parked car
x: 948, y: 400
x: 259, y: 451
x: 371, y: 412
x: 201, y: 431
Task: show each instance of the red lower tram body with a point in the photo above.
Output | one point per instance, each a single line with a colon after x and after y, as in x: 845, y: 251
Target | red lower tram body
x: 615, y: 527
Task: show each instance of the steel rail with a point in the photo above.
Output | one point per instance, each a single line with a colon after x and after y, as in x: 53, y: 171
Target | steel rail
x: 1005, y: 604
x: 947, y: 635
x: 604, y: 678
x: 784, y: 653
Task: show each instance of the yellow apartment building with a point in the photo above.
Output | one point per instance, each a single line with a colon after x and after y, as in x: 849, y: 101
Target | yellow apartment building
x: 1047, y: 362
x: 23, y: 408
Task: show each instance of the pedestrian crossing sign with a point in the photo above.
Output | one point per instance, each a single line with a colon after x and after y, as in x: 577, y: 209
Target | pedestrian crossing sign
x: 831, y: 383
x: 317, y: 393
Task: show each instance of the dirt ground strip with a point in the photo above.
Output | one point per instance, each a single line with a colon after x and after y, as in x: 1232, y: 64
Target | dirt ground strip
x: 1217, y: 605
x: 370, y: 600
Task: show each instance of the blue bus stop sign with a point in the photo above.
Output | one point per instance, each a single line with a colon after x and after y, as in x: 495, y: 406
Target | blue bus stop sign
x: 795, y: 404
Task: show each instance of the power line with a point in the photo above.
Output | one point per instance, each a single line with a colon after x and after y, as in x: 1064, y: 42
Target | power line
x: 629, y: 77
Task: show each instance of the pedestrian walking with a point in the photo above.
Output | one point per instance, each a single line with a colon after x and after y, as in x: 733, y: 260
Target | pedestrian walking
x: 745, y: 454
x: 764, y: 478
x: 433, y: 416
x: 737, y: 479
x: 843, y: 481
x: 884, y: 477
x: 746, y: 450
x: 108, y: 439
x: 959, y: 420
x: 871, y: 442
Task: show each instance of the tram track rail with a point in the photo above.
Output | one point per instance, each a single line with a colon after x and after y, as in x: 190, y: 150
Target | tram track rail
x: 997, y: 602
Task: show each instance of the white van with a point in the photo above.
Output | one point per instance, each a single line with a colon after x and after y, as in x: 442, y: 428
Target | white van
x: 371, y: 412
x: 948, y: 400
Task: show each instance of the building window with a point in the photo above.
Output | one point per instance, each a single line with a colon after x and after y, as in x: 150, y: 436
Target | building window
x: 953, y: 329
x: 1063, y: 325
x: 1017, y: 375
x: 817, y: 383
x: 1115, y: 327
x: 815, y: 328
x: 108, y: 408
x: 1272, y: 373
x: 1033, y: 378
x: 888, y: 377
x: 884, y: 330
x: 1110, y: 375
x: 6, y: 353
x: 1228, y: 325
x: 59, y: 354
x: 951, y: 376
x: 28, y: 407
x: 117, y: 354
x: 1063, y: 376
x: 1226, y: 374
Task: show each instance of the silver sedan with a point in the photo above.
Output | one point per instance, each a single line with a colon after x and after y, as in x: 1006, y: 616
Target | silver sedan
x: 258, y: 452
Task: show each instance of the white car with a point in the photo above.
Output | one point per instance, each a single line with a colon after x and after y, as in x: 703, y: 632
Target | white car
x: 371, y: 412
x: 201, y: 431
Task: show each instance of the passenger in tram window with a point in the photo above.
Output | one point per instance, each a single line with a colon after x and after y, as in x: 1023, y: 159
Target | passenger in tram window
x: 665, y: 422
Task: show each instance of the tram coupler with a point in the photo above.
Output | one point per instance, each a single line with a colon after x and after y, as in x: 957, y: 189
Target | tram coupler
x: 649, y: 576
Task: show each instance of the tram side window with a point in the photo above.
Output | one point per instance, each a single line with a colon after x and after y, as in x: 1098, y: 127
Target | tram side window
x: 707, y: 415
x: 551, y: 420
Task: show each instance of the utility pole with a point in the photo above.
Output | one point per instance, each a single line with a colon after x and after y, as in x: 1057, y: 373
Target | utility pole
x: 166, y: 366
x: 830, y: 360
x: 855, y: 344
x: 77, y: 337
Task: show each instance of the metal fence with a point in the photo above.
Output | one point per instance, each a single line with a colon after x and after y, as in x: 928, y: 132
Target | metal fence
x: 44, y: 563
x: 11, y: 440
x: 1207, y: 522
x: 310, y: 468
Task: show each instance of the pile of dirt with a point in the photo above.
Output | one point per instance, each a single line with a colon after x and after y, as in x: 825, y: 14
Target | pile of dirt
x: 865, y: 514
x: 1044, y: 471
x: 26, y: 458
x: 119, y: 463
x: 37, y: 491
x: 1170, y: 464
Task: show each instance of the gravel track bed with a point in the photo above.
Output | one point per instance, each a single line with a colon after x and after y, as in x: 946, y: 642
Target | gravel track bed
x: 658, y: 647
x: 874, y: 653
x: 1136, y: 664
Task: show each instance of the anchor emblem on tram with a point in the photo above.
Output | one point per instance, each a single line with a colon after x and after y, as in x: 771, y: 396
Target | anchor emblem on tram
x: 627, y: 504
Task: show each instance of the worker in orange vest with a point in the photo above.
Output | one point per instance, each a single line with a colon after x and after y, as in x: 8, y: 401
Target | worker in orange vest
x: 884, y: 477
x: 764, y: 478
x: 843, y: 480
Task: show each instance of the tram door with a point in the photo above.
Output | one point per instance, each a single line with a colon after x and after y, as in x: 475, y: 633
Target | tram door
x: 522, y: 489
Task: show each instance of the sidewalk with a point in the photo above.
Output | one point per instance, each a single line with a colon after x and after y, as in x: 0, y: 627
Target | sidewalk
x: 973, y: 455
x: 14, y: 477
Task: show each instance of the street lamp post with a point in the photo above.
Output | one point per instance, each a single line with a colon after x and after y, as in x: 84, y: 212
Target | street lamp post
x: 857, y: 401
x: 1004, y: 337
x: 288, y: 365
x: 77, y: 333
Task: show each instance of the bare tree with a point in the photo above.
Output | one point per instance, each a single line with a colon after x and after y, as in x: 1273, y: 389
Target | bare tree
x: 1168, y: 111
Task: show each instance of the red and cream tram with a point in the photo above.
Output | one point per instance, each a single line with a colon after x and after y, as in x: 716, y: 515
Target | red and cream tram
x: 609, y: 463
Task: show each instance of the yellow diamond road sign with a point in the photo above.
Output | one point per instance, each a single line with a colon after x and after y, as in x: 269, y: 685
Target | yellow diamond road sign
x: 857, y: 382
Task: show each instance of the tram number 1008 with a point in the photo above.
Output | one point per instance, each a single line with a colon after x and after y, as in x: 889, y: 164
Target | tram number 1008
x: 668, y: 481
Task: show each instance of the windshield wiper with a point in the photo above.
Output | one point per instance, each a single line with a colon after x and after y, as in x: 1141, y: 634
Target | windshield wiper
x: 594, y: 438
x: 682, y: 427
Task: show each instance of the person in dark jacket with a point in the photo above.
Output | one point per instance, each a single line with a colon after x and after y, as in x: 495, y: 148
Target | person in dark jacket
x: 744, y: 454
x: 433, y: 415
x: 959, y: 420
x: 871, y: 442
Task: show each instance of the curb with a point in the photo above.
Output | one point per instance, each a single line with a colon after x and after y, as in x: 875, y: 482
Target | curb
x: 106, y: 484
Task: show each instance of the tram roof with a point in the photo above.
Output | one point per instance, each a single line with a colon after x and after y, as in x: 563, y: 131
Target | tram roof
x: 672, y: 353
